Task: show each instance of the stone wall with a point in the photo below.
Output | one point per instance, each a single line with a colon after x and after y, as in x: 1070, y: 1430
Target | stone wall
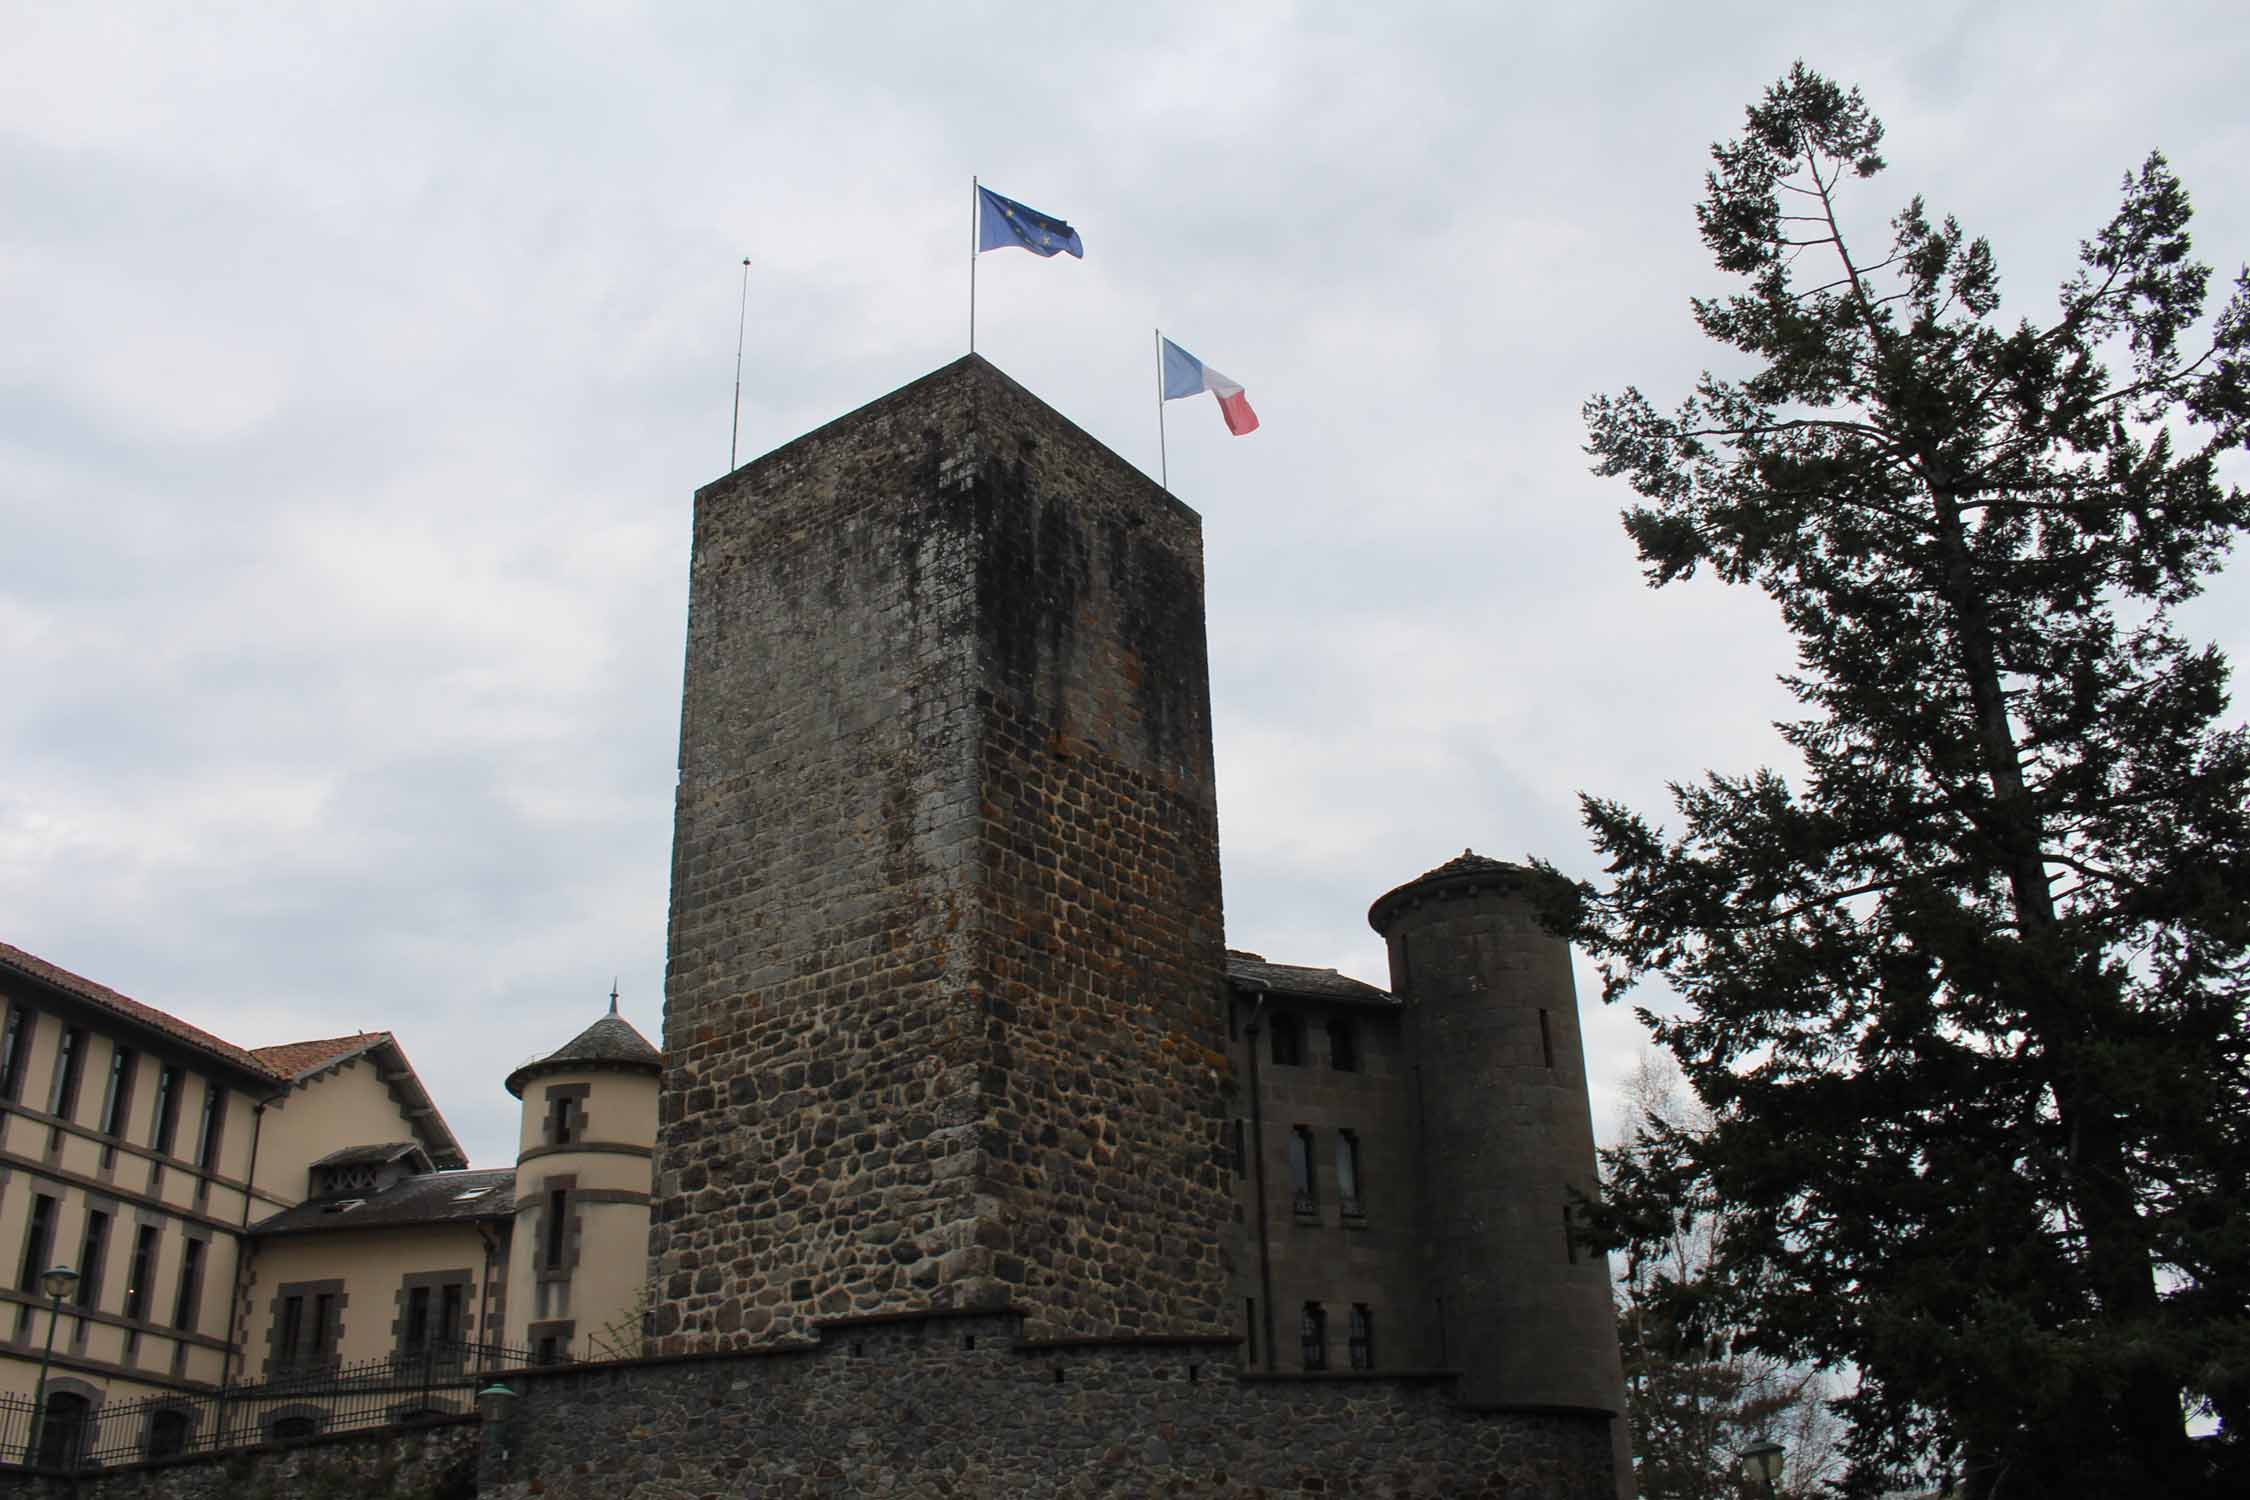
x: 957, y: 1407
x: 942, y: 1020
x: 429, y: 1461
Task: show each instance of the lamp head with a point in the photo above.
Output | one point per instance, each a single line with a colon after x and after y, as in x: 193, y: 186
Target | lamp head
x: 1761, y: 1463
x: 56, y: 1281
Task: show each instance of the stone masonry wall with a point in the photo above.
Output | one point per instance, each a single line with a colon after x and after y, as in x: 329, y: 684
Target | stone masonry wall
x: 954, y: 1407
x: 437, y: 1461
x: 942, y: 1023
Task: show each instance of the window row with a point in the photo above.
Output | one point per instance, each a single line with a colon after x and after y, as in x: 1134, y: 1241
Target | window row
x: 64, y: 1088
x: 1312, y: 1335
x: 1287, y: 1033
x: 93, y: 1264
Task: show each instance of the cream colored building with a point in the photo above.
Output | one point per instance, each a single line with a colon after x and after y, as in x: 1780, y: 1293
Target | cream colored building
x: 241, y: 1214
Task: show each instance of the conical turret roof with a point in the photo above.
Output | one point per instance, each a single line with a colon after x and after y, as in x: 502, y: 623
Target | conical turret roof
x: 610, y: 1042
x: 1465, y: 871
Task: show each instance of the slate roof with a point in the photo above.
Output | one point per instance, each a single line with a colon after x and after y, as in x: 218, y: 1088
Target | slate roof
x: 294, y: 1060
x: 1250, y: 971
x: 102, y: 997
x: 352, y: 1156
x: 425, y: 1198
x: 1466, y: 869
x: 610, y: 1042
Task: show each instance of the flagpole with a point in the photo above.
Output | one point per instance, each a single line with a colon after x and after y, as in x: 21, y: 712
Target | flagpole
x: 741, y: 320
x: 972, y: 263
x: 1163, y: 455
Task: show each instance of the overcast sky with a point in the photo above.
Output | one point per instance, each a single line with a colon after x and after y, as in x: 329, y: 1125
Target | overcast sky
x: 356, y: 373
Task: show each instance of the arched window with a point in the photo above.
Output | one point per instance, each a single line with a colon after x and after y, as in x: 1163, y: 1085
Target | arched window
x: 63, y: 1431
x: 293, y: 1425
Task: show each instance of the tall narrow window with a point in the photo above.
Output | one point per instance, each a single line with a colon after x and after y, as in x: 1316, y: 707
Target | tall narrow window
x: 1546, y: 1038
x: 289, y: 1343
x: 560, y: 1120
x: 1312, y: 1335
x: 1363, y: 1337
x: 1347, y: 1174
x: 1301, y: 1195
x: 417, y: 1319
x: 167, y: 1122
x: 92, y: 1252
x: 323, y: 1344
x: 452, y: 1298
x: 143, y: 1272
x: 70, y: 1061
x: 214, y: 1121
x: 1343, y: 1045
x: 558, y: 1213
x: 190, y: 1300
x: 117, y: 1102
x: 38, y: 1244
x: 15, y: 1047
x: 1288, y: 1040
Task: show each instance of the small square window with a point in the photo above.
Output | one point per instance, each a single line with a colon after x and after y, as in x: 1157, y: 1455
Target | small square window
x: 1288, y: 1041
x: 1343, y: 1045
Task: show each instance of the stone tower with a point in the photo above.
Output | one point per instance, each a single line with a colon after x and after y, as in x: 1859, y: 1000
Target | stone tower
x: 942, y: 1016
x: 1507, y: 1134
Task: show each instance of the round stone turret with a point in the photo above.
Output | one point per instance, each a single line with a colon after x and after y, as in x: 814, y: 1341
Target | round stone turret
x: 1507, y: 1135
x: 579, y: 1259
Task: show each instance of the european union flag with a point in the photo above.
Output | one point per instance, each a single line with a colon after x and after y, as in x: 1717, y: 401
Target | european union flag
x: 1003, y: 221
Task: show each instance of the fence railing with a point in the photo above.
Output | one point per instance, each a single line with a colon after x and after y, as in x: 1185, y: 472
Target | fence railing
x: 440, y: 1380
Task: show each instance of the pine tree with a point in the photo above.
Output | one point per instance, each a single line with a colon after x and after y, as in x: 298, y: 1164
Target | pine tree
x: 1966, y: 998
x: 1695, y: 1395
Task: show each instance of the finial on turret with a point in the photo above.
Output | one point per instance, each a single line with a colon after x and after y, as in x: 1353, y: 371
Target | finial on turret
x: 613, y: 997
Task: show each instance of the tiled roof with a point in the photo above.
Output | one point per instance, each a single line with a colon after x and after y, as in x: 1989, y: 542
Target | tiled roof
x: 610, y: 1042
x: 102, y: 997
x: 285, y: 1063
x: 1249, y: 971
x: 427, y: 1198
x: 293, y: 1060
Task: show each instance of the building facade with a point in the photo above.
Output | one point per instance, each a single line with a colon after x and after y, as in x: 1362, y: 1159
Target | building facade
x: 251, y: 1216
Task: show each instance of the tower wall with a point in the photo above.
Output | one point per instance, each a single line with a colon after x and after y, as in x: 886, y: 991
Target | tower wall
x: 943, y: 1024
x: 1507, y: 1134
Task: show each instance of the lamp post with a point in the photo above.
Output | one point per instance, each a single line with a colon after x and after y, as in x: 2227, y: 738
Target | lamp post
x: 1761, y: 1465
x: 56, y: 1282
x: 494, y: 1403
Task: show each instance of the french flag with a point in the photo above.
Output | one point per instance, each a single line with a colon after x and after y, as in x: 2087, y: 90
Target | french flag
x: 1185, y: 375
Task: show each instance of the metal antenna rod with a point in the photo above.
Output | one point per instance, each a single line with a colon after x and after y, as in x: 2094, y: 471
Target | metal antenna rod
x: 741, y: 320
x: 1163, y: 457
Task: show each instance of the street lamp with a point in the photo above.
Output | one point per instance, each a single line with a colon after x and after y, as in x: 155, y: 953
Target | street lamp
x: 1761, y: 1465
x: 56, y: 1282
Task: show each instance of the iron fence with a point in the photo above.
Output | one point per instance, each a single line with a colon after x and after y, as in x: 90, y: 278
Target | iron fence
x: 76, y: 1434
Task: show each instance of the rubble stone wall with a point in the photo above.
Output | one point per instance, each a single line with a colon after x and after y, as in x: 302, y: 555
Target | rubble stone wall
x: 957, y: 1407
x: 942, y: 1024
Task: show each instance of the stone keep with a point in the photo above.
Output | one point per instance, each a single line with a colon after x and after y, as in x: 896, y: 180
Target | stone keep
x: 942, y: 1025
